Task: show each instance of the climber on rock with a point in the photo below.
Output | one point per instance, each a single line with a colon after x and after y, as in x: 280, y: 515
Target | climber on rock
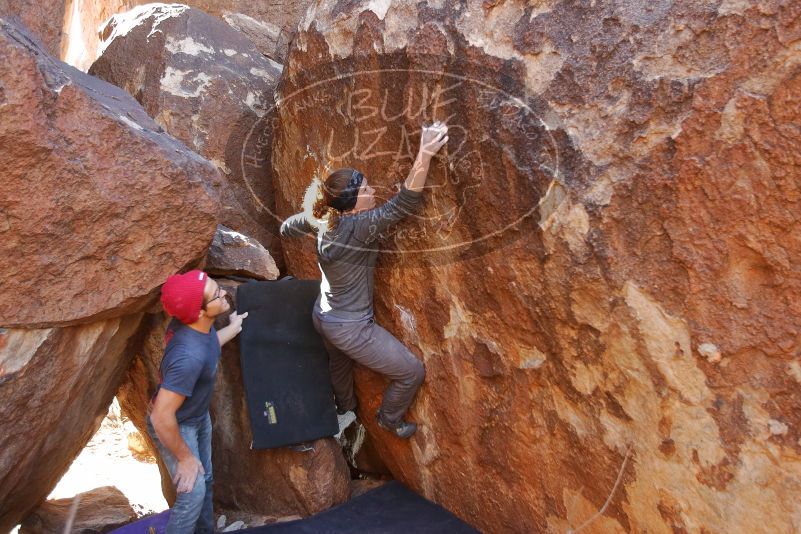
x: 348, y: 227
x: 179, y: 420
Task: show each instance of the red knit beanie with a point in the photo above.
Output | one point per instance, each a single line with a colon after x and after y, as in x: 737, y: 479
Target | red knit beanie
x: 182, y: 295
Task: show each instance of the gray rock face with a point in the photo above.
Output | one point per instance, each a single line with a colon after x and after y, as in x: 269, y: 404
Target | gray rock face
x: 97, y: 205
x: 206, y: 84
x: 232, y: 253
x: 270, y: 24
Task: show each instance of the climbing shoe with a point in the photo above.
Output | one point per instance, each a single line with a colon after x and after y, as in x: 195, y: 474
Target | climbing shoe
x: 343, y: 411
x: 402, y: 429
x: 344, y: 421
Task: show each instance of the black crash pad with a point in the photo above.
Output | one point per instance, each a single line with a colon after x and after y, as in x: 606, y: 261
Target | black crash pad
x: 389, y: 509
x: 284, y: 364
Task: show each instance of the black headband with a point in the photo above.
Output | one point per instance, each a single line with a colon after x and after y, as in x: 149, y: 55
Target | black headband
x: 347, y: 198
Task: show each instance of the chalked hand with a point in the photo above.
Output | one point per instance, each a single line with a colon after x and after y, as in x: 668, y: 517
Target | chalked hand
x: 433, y: 138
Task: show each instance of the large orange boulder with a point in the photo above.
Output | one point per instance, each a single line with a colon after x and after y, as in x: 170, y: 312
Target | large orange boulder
x: 98, y: 205
x: 207, y: 85
x: 270, y: 24
x: 603, y: 282
x: 235, y: 254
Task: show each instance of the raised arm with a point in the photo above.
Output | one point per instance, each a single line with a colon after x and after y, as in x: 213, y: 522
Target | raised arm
x: 410, y: 197
x: 432, y: 139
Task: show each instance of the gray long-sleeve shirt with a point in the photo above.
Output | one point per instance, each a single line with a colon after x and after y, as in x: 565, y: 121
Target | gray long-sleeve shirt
x: 347, y: 255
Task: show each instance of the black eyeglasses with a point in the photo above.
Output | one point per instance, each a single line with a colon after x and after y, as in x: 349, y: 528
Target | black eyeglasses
x: 217, y: 294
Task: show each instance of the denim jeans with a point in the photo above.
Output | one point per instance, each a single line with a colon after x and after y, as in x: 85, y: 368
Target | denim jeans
x: 192, y: 512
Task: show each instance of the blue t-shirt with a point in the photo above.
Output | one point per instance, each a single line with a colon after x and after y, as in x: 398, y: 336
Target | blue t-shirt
x: 189, y: 368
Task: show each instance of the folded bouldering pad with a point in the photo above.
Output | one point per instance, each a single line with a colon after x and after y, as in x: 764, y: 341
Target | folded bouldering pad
x: 284, y: 364
x: 389, y: 509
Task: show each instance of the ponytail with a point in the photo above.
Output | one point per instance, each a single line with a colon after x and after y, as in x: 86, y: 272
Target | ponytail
x: 327, y: 201
x: 317, y: 202
x: 326, y: 213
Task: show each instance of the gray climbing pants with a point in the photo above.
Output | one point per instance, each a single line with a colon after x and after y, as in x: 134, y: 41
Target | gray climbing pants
x: 367, y: 343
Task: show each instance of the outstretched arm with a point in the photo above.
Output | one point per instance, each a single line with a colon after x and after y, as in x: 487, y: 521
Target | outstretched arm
x: 226, y: 334
x: 296, y: 226
x: 431, y: 140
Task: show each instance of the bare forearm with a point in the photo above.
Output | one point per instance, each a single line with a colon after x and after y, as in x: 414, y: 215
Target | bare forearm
x: 416, y: 180
x: 432, y: 138
x: 224, y: 335
x: 166, y: 427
